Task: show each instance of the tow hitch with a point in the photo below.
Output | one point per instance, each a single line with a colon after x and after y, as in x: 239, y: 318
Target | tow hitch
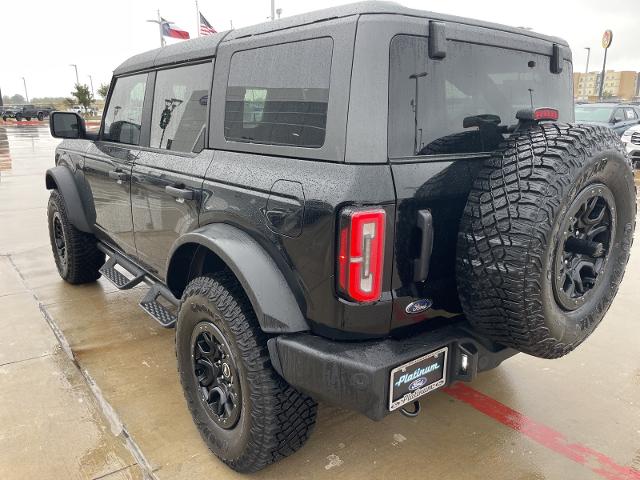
x: 411, y: 414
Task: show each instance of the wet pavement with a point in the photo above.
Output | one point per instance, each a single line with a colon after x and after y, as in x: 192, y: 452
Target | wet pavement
x: 89, y: 389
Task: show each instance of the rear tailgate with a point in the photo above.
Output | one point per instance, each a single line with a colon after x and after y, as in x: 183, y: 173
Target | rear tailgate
x: 445, y: 115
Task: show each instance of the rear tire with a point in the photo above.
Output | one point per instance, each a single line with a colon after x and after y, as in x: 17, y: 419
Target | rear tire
x: 75, y: 252
x: 245, y: 412
x: 545, y: 237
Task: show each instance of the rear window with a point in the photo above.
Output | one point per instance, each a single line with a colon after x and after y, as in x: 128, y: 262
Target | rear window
x: 278, y: 95
x: 458, y: 104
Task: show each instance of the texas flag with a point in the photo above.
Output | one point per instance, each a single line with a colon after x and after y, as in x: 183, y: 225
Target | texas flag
x: 170, y: 29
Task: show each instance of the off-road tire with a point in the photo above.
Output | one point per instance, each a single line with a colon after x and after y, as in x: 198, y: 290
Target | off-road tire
x: 83, y: 257
x: 275, y: 419
x: 511, y: 229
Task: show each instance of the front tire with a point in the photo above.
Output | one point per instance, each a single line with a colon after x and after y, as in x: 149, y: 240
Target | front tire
x: 40, y: 117
x: 75, y: 252
x: 245, y: 412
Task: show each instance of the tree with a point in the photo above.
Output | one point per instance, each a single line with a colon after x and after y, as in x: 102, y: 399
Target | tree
x: 83, y: 95
x: 103, y: 90
x: 13, y: 100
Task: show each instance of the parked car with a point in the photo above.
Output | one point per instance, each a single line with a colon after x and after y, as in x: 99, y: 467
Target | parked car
x: 358, y: 206
x: 82, y: 110
x: 631, y: 140
x: 27, y: 112
x: 617, y: 116
x: 8, y: 112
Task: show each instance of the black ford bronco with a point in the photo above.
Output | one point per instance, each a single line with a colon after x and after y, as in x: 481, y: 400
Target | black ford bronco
x: 358, y: 206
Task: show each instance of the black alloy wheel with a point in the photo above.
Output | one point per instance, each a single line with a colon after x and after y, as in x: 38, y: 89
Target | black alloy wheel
x: 587, y: 234
x: 216, y: 374
x: 60, y: 241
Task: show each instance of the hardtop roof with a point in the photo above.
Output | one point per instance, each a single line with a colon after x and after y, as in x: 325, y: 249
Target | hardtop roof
x: 204, y: 47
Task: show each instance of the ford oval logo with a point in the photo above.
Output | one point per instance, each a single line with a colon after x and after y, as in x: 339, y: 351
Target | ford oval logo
x: 418, y: 383
x: 418, y: 306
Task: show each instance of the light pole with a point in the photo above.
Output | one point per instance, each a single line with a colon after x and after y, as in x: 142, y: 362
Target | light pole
x: 273, y: 9
x: 91, y: 83
x: 76, y: 69
x: 159, y: 22
x: 588, y: 49
x: 25, y: 89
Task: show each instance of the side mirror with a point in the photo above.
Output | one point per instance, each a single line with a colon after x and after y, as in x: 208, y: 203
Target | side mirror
x: 67, y: 125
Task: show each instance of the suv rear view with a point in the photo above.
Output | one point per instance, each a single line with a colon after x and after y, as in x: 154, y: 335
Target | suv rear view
x: 359, y: 206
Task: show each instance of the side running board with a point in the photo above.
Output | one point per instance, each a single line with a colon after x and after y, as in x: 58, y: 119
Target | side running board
x: 158, y: 311
x: 121, y: 281
x: 150, y: 302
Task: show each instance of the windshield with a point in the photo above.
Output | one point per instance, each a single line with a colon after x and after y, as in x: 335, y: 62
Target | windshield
x: 593, y: 113
x: 462, y: 103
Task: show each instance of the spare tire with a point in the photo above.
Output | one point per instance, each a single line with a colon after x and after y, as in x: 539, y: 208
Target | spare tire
x: 545, y: 237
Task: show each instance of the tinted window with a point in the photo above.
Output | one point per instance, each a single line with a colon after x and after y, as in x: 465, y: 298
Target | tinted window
x: 462, y: 103
x: 278, y: 95
x: 619, y: 115
x: 630, y: 114
x: 180, y: 103
x: 124, y: 114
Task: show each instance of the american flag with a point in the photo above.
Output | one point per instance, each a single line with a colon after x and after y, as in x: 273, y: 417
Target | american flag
x: 205, y: 27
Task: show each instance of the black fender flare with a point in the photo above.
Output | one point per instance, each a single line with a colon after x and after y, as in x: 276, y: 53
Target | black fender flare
x: 62, y: 179
x: 270, y: 295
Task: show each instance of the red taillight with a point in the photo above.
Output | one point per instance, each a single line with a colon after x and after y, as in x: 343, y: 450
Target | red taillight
x: 545, y: 114
x: 361, y: 253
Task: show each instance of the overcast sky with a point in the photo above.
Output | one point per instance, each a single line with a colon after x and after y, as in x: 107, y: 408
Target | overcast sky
x: 41, y: 38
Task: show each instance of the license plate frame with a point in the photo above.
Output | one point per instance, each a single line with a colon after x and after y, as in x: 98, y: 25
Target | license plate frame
x: 411, y: 367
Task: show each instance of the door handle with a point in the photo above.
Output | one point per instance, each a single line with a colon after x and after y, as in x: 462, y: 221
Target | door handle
x: 117, y: 175
x: 421, y: 264
x: 179, y: 193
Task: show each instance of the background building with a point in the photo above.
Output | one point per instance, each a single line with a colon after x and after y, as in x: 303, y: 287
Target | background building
x: 617, y: 85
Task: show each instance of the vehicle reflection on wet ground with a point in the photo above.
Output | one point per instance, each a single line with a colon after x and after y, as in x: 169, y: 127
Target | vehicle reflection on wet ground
x: 5, y: 153
x: 89, y: 385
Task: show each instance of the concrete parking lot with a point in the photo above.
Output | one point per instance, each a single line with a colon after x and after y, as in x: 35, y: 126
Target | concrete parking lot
x: 88, y: 384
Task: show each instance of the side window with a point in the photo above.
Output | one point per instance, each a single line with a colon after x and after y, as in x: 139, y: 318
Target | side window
x: 619, y: 115
x: 122, y: 121
x: 278, y: 95
x: 630, y: 114
x: 180, y: 102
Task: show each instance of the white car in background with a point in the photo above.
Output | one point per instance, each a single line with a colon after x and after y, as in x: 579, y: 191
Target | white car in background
x: 631, y: 140
x: 81, y: 110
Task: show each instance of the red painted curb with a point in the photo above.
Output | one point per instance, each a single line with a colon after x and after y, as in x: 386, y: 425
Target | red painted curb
x: 553, y: 440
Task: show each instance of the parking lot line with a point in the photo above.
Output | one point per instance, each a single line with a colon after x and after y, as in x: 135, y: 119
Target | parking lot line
x: 597, y: 462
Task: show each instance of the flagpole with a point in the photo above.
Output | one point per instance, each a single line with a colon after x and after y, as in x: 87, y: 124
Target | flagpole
x: 162, y: 41
x: 198, y: 18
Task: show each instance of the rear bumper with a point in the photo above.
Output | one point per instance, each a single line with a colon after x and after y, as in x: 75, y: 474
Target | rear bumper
x: 355, y: 375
